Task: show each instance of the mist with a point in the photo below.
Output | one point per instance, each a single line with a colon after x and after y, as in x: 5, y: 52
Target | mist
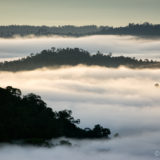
x: 132, y: 46
x: 124, y: 100
x: 144, y: 147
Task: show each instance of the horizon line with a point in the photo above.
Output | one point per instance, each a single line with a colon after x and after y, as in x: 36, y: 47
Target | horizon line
x: 79, y: 25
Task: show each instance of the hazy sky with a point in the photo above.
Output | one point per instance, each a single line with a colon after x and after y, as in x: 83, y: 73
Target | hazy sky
x: 78, y: 12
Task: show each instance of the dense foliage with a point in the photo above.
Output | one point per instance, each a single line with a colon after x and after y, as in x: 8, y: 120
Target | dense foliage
x: 145, y: 29
x: 58, y: 57
x: 28, y: 117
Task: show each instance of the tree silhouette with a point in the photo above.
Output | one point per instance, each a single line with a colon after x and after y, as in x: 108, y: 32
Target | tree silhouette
x: 72, y: 57
x: 145, y: 29
x: 28, y: 118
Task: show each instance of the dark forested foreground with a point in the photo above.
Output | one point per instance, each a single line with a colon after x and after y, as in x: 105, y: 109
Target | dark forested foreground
x: 145, y: 29
x: 59, y: 57
x: 29, y: 119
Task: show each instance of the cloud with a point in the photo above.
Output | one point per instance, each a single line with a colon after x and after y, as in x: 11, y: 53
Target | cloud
x: 144, y: 147
x: 124, y: 100
x: 118, y: 45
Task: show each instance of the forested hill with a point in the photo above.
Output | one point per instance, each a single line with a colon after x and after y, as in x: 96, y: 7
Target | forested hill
x: 145, y: 29
x: 59, y: 57
x: 29, y: 119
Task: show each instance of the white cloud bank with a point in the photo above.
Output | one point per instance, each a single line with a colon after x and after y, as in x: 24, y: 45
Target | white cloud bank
x: 124, y: 100
x: 118, y: 45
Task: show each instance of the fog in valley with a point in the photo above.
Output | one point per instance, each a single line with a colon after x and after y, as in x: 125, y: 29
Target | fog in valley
x: 118, y: 45
x: 133, y: 148
x: 124, y: 100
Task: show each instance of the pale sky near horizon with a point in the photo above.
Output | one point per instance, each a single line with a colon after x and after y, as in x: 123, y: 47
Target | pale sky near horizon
x: 79, y: 12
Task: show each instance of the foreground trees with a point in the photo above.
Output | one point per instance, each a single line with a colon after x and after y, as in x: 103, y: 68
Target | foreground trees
x: 28, y: 117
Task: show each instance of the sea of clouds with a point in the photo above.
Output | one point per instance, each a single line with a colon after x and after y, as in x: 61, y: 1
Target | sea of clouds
x: 124, y: 100
x: 119, y: 45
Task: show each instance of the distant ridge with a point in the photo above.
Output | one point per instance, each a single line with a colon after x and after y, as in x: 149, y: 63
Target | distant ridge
x: 72, y: 57
x: 145, y: 29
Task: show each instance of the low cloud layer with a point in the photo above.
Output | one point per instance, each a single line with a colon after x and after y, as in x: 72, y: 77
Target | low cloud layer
x: 124, y: 100
x: 118, y: 45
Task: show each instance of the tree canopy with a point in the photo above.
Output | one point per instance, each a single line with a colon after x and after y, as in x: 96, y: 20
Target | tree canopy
x: 145, y: 29
x: 28, y: 117
x: 73, y: 56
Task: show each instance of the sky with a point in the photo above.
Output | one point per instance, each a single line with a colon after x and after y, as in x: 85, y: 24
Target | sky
x: 78, y: 12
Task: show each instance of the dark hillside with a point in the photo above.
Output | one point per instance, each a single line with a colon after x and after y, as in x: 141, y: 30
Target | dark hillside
x: 59, y: 57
